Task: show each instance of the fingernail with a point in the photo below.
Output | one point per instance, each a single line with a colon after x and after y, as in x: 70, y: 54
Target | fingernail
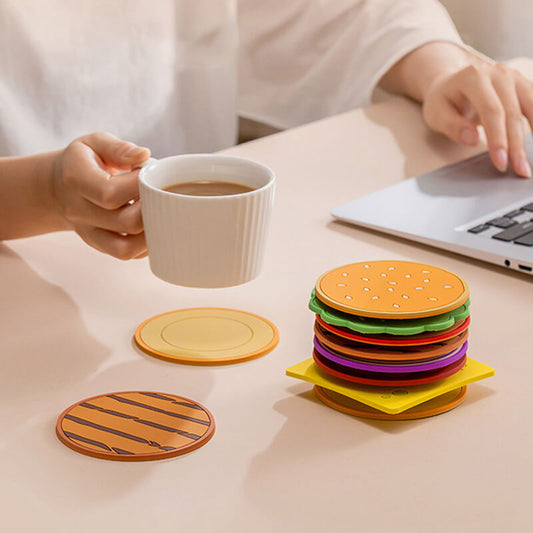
x: 500, y: 159
x: 468, y: 136
x: 134, y: 151
x: 523, y: 168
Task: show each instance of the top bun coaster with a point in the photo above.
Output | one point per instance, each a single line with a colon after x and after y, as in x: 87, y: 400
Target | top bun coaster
x: 135, y: 426
x: 206, y: 336
x: 392, y: 289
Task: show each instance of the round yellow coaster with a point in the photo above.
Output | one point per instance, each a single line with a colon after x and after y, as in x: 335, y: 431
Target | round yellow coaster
x: 207, y: 336
x: 435, y: 406
x: 392, y: 289
x: 135, y: 426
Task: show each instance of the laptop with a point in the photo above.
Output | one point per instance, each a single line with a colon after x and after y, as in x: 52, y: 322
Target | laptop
x: 468, y: 208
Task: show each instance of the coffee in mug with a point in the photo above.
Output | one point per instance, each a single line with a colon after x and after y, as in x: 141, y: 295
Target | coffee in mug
x: 205, y: 187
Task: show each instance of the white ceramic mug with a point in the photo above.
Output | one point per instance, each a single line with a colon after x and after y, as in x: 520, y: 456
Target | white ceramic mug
x: 206, y: 241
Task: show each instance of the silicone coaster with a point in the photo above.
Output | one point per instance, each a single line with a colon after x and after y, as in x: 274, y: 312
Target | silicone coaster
x: 135, y: 426
x: 207, y: 336
x: 390, y: 399
x: 379, y: 353
x: 399, y: 380
x: 392, y: 289
x: 388, y: 368
x: 436, y: 406
x: 410, y: 326
x: 428, y: 337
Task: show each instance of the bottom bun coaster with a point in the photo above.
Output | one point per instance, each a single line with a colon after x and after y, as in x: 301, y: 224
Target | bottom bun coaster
x: 391, y: 400
x: 135, y: 426
x: 207, y: 336
x: 436, y: 406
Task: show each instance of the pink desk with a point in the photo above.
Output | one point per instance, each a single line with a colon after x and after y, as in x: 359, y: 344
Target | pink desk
x: 280, y: 460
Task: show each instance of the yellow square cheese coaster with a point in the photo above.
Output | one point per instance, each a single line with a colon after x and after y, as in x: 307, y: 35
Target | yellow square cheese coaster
x: 392, y: 400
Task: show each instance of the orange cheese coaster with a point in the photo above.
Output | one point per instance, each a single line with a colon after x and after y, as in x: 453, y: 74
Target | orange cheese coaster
x: 392, y: 289
x: 135, y: 426
x: 207, y: 336
x: 432, y: 407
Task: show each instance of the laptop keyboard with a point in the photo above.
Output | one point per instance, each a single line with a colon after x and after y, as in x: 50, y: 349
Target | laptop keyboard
x: 516, y: 226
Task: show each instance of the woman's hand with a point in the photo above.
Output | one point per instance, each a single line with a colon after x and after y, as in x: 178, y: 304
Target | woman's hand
x: 493, y: 95
x: 460, y: 90
x: 96, y: 192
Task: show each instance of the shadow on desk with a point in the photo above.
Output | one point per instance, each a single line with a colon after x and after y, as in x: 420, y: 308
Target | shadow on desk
x: 48, y: 361
x: 438, y: 149
x: 46, y: 352
x: 297, y: 460
x: 47, y: 348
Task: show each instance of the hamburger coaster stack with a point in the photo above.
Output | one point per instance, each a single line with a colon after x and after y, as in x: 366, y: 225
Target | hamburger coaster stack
x: 390, y: 340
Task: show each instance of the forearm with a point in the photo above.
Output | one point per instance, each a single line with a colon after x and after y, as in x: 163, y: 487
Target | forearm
x: 27, y: 201
x: 414, y: 74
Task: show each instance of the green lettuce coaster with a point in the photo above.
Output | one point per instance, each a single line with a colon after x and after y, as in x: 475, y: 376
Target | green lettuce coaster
x: 410, y: 326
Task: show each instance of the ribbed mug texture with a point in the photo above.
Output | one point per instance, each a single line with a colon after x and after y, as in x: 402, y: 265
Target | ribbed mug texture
x: 206, y: 241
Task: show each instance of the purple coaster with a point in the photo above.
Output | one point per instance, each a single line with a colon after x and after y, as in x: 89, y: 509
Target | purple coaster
x: 434, y: 364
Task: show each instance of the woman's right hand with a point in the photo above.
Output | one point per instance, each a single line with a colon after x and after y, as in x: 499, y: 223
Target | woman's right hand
x: 492, y: 95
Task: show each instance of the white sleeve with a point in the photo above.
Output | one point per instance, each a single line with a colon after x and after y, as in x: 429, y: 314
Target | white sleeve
x: 302, y: 60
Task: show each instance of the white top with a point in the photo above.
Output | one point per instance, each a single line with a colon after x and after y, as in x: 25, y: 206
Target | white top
x: 506, y: 29
x: 167, y: 78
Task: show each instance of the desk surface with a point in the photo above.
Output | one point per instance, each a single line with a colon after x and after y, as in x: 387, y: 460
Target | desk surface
x: 280, y: 460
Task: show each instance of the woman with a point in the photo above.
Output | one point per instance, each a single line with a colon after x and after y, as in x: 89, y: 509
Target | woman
x: 175, y: 78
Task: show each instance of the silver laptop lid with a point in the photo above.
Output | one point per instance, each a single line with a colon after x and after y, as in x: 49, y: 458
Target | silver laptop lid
x: 440, y: 207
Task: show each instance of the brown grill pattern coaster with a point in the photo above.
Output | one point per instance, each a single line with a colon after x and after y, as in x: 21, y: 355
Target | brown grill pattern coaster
x: 135, y: 426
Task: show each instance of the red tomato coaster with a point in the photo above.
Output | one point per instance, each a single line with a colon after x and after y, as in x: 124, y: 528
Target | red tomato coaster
x: 381, y: 379
x: 370, y: 352
x: 435, y: 406
x: 135, y: 426
x: 427, y: 337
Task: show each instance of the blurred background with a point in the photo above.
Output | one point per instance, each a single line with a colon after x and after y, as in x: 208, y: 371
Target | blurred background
x: 502, y: 29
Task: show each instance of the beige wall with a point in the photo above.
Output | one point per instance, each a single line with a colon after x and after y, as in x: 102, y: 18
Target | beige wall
x: 499, y: 28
